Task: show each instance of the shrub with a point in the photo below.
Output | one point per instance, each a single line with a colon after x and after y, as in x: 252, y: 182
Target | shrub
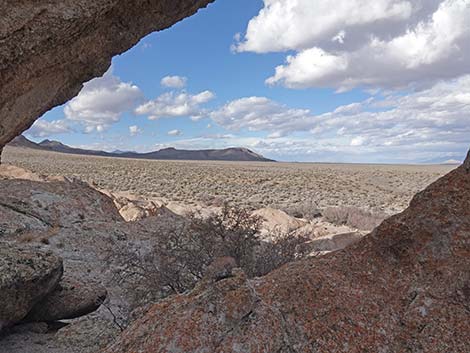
x: 177, y: 258
x: 353, y: 217
x: 306, y: 209
x: 284, y: 249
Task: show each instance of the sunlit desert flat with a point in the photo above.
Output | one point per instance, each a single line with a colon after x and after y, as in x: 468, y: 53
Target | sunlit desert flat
x: 384, y: 188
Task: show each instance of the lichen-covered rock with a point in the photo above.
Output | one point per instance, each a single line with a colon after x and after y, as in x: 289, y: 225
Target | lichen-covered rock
x: 403, y: 288
x: 26, y: 277
x: 50, y: 48
x: 213, y: 314
x: 69, y: 300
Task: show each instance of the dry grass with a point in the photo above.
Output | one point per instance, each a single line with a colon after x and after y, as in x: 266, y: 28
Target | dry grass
x: 296, y: 187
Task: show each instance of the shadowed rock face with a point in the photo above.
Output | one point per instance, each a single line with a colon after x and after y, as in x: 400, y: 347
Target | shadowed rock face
x: 69, y: 300
x: 48, y: 49
x: 403, y: 288
x: 26, y: 277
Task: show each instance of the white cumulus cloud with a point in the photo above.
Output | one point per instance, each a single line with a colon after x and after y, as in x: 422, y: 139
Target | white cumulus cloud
x: 383, y: 43
x: 357, y: 141
x: 299, y: 24
x: 174, y: 133
x: 102, y: 101
x: 134, y: 130
x: 435, y: 121
x: 172, y: 104
x: 260, y: 113
x: 44, y: 128
x: 174, y: 81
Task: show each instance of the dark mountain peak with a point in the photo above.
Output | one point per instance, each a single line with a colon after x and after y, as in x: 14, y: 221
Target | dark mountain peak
x: 51, y: 143
x: 227, y: 154
x: 20, y: 138
x: 21, y: 141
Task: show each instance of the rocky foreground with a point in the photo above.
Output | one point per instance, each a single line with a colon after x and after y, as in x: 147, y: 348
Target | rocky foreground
x: 59, y: 238
x: 403, y: 288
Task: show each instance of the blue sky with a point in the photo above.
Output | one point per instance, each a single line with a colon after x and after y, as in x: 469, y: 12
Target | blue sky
x: 359, y: 85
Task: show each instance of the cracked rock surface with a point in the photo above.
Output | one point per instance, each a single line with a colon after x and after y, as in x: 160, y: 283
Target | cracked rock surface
x: 82, y: 227
x: 36, y: 206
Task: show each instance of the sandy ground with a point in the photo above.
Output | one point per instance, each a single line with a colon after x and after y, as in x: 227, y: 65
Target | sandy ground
x: 386, y: 188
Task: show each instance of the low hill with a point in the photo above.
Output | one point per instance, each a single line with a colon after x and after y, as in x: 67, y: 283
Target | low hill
x: 227, y: 154
x: 21, y: 141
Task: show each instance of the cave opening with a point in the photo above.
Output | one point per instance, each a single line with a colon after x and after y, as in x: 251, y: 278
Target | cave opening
x: 197, y: 254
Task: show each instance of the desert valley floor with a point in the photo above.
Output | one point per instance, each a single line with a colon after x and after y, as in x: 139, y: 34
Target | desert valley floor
x: 378, y: 188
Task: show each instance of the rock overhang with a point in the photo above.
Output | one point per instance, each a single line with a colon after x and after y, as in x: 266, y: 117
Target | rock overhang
x: 49, y: 49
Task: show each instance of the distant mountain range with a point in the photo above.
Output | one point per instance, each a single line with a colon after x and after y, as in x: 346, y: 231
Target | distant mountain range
x: 227, y: 154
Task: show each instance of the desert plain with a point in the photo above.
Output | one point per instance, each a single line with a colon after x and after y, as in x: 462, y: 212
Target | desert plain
x: 379, y: 188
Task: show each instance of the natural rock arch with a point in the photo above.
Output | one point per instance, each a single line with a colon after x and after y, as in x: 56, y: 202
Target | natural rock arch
x: 48, y: 49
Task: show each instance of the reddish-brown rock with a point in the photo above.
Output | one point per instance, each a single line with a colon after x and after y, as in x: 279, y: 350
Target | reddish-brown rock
x: 48, y: 49
x: 403, y: 288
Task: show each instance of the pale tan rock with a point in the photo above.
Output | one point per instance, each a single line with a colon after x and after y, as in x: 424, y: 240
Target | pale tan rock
x: 332, y: 242
x: 277, y: 221
x: 319, y: 228
x: 132, y: 213
x: 13, y: 172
